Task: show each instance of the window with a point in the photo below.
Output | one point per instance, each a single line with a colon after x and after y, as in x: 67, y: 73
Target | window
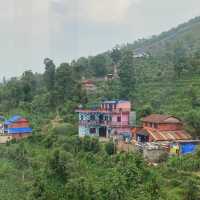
x: 155, y: 125
x: 92, y: 130
x: 110, y: 107
x: 101, y: 117
x: 92, y: 117
x: 81, y: 117
x: 106, y: 106
x: 118, y: 119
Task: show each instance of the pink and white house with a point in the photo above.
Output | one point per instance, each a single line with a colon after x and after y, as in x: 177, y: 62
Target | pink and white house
x: 109, y: 119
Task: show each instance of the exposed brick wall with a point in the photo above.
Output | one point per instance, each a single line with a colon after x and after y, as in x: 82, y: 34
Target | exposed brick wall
x: 170, y: 127
x: 164, y: 127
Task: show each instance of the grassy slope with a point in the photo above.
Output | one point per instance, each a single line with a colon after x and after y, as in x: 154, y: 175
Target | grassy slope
x: 188, y: 33
x: 171, y: 97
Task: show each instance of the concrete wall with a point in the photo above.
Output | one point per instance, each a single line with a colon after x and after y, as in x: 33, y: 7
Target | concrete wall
x: 124, y: 147
x: 124, y: 119
x: 123, y: 130
x: 5, y: 138
x: 154, y: 155
x: 85, y: 131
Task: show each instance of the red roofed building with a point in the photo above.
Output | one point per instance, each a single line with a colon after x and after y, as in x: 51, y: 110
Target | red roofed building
x: 157, y: 127
x: 89, y: 85
x: 17, y: 127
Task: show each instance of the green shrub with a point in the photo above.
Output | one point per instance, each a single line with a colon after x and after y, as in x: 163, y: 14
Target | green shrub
x: 110, y: 148
x: 64, y: 129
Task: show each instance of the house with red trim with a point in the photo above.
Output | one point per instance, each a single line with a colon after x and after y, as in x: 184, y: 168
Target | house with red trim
x: 17, y: 127
x: 160, y: 128
x: 110, y: 118
x: 89, y: 85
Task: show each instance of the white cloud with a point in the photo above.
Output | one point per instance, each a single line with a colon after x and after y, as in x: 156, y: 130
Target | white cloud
x: 67, y: 29
x: 100, y: 11
x: 106, y: 10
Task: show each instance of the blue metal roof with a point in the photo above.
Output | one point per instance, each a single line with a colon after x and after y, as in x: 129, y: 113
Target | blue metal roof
x: 19, y: 130
x: 7, y: 123
x: 13, y: 119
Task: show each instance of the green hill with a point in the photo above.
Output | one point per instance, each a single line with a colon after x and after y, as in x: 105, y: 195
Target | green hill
x: 159, y: 75
x: 188, y: 33
x: 166, y: 72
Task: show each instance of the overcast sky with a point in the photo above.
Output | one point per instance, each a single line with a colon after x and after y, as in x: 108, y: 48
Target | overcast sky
x: 67, y: 29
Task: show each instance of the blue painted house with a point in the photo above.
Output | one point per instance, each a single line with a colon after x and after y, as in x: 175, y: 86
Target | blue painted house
x: 110, y: 118
x: 17, y: 127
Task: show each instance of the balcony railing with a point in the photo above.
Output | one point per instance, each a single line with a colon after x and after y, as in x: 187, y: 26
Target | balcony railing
x: 94, y: 122
x: 103, y: 123
x: 114, y: 111
x: 120, y: 124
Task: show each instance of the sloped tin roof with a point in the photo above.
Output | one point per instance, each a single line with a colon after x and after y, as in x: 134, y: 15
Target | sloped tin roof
x: 169, y: 135
x: 19, y: 130
x: 157, y: 118
x: 13, y: 119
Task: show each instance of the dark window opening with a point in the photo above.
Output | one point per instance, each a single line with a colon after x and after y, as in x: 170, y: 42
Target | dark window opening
x: 142, y: 138
x: 101, y: 117
x: 92, y: 117
x: 118, y: 119
x: 110, y: 107
x: 93, y: 130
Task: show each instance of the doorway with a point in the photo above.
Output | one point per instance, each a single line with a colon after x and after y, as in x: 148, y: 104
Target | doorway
x: 142, y: 138
x: 103, y: 131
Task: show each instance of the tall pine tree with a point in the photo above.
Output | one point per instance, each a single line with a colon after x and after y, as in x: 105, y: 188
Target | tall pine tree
x: 127, y: 74
x: 49, y: 75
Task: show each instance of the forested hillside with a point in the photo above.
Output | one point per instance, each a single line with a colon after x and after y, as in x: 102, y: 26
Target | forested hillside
x: 158, y: 75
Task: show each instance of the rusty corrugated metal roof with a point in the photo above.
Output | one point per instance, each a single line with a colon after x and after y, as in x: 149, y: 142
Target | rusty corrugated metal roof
x: 169, y: 135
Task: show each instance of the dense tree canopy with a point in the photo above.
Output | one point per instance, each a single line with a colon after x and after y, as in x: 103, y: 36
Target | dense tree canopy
x: 158, y: 75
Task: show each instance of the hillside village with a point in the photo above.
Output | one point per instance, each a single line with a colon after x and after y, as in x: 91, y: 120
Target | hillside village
x: 115, y: 120
x: 120, y: 125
